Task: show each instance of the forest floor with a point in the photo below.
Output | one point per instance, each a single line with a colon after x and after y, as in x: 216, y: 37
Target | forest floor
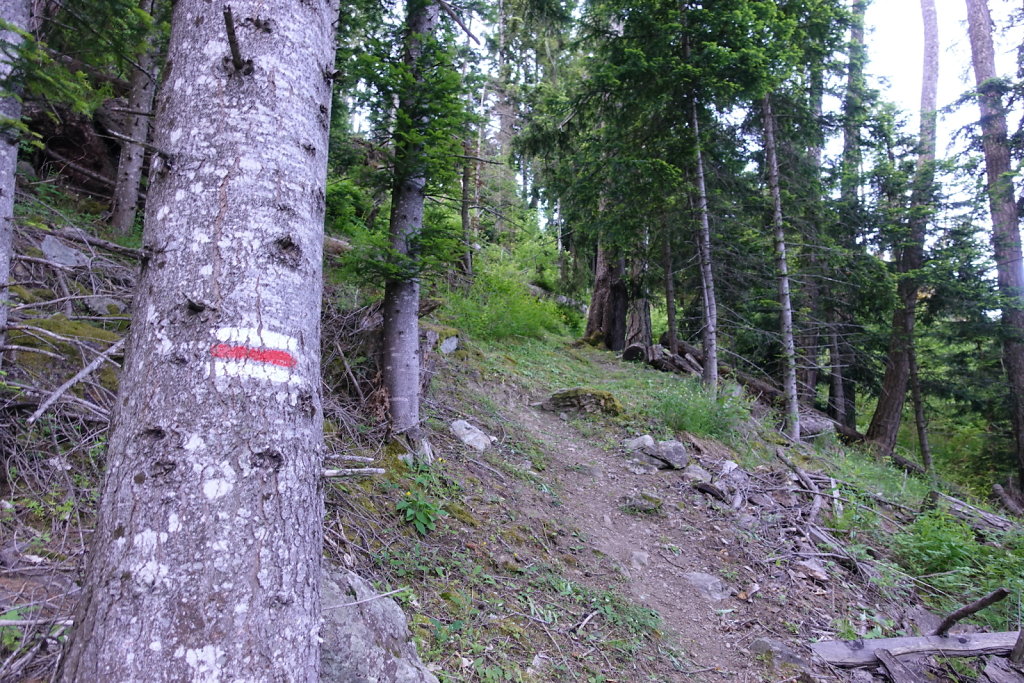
x: 551, y: 557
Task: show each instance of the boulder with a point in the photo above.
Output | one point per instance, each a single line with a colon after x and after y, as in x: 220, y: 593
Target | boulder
x: 61, y: 254
x: 368, y: 642
x: 472, y: 436
x: 711, y: 586
x: 673, y: 454
x: 695, y: 474
x: 640, y: 443
x: 583, y: 400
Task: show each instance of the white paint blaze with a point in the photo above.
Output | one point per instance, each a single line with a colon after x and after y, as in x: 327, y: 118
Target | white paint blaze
x: 254, y: 353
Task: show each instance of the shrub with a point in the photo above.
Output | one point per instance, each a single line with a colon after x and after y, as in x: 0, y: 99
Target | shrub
x: 692, y: 408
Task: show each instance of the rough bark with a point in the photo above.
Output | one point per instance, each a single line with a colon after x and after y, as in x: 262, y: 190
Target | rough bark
x: 638, y: 314
x: 205, y: 561
x: 401, y: 356
x: 885, y: 422
x: 1005, y: 229
x: 919, y: 418
x: 465, y: 213
x: 782, y: 276
x: 129, y: 167
x: 606, y: 317
x: 709, y: 332
x: 17, y: 13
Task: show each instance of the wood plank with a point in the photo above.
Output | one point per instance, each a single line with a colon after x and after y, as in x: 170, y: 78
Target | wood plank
x: 897, y: 670
x: 851, y: 653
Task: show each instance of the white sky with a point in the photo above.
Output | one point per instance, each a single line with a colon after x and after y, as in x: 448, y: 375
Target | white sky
x: 895, y: 44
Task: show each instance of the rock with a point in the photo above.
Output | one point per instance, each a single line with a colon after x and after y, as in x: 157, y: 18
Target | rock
x: 584, y: 400
x: 104, y: 305
x: 61, y: 254
x: 779, y: 652
x: 761, y: 500
x: 696, y: 473
x: 640, y: 443
x: 368, y: 642
x: 639, y: 559
x: 712, y: 587
x: 449, y: 345
x: 812, y: 569
x: 472, y: 436
x: 641, y: 502
x: 674, y: 454
x: 637, y: 466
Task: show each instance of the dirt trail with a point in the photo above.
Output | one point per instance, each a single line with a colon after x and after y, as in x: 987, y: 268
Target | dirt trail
x: 655, y: 551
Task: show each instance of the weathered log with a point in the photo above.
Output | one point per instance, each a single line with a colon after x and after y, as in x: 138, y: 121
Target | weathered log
x: 983, y: 522
x: 1017, y: 655
x: 897, y: 670
x: 999, y: 670
x: 854, y: 653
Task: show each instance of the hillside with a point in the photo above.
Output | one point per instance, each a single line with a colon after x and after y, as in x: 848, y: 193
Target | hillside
x: 556, y: 552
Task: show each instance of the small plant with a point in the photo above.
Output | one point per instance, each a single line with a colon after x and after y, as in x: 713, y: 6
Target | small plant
x: 420, y: 511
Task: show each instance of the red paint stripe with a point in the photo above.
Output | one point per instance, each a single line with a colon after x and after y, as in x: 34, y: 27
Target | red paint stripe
x: 272, y: 356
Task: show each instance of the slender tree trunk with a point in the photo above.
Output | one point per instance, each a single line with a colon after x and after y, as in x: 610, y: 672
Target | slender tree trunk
x: 17, y: 13
x: 205, y: 561
x: 808, y: 334
x: 1005, y: 229
x: 782, y: 273
x: 853, y: 116
x: 401, y: 357
x: 466, y: 214
x: 919, y: 417
x: 709, y: 333
x: 837, y: 399
x: 885, y: 423
x: 670, y: 290
x: 129, y: 167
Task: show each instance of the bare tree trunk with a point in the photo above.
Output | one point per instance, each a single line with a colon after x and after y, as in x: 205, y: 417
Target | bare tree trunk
x: 782, y: 273
x: 205, y: 561
x: 919, y: 417
x: 468, y: 234
x: 709, y: 333
x: 885, y: 423
x: 1005, y: 229
x: 638, y: 314
x: 401, y: 356
x: 17, y: 13
x: 133, y: 154
x: 853, y: 115
x: 670, y: 291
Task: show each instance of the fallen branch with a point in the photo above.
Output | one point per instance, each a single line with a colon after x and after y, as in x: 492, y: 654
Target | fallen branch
x: 981, y: 521
x: 854, y: 653
x: 1007, y: 500
x: 806, y: 481
x: 897, y: 670
x: 356, y: 472
x: 1017, y: 655
x: 967, y: 610
x: 370, y: 599
x: 96, y: 362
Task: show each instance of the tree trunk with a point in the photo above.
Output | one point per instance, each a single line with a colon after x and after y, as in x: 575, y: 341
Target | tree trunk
x: 919, y: 419
x: 885, y: 423
x: 1005, y: 230
x: 638, y: 313
x: 129, y: 167
x: 17, y: 13
x: 401, y: 356
x: 468, y: 235
x: 782, y: 273
x: 670, y: 291
x: 709, y: 332
x: 849, y: 184
x: 606, y: 318
x: 205, y: 561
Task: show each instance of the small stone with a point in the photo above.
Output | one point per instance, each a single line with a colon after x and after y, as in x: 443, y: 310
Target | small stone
x: 449, y: 345
x: 607, y: 519
x: 639, y: 559
x: 643, y: 502
x: 696, y: 473
x: 61, y: 254
x: 104, y: 305
x: 639, y: 467
x: 674, y: 454
x: 812, y: 569
x: 472, y: 436
x: 711, y: 586
x: 779, y: 652
x: 645, y: 442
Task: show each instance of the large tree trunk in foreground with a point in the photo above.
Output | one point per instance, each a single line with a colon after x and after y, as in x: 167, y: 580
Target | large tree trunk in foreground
x: 782, y: 274
x: 885, y: 423
x: 401, y: 355
x: 17, y: 13
x: 1005, y: 229
x: 205, y: 562
x: 133, y: 154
